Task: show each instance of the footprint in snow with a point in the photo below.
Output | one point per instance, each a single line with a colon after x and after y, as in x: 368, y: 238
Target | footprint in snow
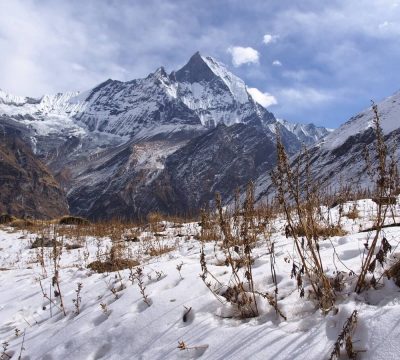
x: 172, y: 285
x: 142, y: 306
x: 349, y: 254
x: 102, y: 352
x: 343, y: 240
x: 100, y: 319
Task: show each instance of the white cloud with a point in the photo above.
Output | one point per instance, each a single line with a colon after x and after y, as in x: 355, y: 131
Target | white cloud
x: 383, y: 25
x: 77, y: 67
x: 304, y: 97
x: 269, y: 39
x: 265, y: 99
x: 50, y: 47
x: 243, y: 55
x: 276, y: 63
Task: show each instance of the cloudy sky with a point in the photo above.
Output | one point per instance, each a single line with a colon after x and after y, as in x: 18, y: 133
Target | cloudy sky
x: 307, y: 61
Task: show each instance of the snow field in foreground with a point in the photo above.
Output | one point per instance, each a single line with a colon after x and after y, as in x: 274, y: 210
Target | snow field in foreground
x: 115, y: 323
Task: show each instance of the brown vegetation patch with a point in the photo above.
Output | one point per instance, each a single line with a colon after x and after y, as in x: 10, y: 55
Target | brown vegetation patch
x: 22, y: 223
x: 352, y: 214
x: 73, y: 220
x: 319, y: 231
x: 111, y: 266
x: 160, y: 251
x: 6, y: 218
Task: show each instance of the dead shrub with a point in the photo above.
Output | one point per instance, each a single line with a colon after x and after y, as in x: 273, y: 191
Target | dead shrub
x: 44, y: 242
x: 299, y: 197
x: 160, y: 251
x: 115, y: 260
x: 345, y: 339
x: 209, y: 230
x: 353, y: 213
x: 155, y: 222
x: 394, y: 272
x: 238, y: 233
x: 385, y: 177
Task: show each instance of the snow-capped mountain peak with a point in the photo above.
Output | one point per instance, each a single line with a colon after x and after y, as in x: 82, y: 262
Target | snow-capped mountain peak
x: 306, y: 133
x: 205, y: 69
x: 215, y: 94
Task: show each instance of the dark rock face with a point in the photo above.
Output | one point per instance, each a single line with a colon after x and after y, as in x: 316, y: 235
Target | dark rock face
x: 27, y: 188
x: 223, y: 160
x: 196, y: 71
x: 186, y: 175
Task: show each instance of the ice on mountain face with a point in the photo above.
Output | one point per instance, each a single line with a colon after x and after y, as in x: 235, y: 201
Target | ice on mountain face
x: 236, y: 85
x: 211, y: 108
x: 48, y: 115
x: 52, y: 114
x: 9, y: 99
x: 389, y: 113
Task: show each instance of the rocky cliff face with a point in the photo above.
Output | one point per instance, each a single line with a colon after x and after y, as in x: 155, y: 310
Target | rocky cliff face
x: 166, y: 142
x: 27, y: 187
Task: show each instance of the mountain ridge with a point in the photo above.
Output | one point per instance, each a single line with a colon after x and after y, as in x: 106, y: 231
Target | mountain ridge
x: 338, y: 160
x: 118, y: 137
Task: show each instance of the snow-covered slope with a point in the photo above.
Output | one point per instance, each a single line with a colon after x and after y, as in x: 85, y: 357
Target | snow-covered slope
x: 389, y: 113
x: 114, y: 322
x: 340, y: 157
x: 47, y: 115
x: 338, y: 160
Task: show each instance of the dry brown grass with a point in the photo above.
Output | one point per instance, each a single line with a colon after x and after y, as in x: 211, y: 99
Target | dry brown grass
x: 111, y: 266
x: 22, y: 224
x: 352, y: 214
x: 160, y: 251
x: 320, y: 231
